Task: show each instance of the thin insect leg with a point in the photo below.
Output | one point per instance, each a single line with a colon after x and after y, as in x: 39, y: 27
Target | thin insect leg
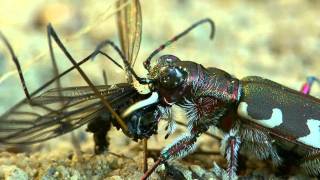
x: 61, y: 75
x: 16, y: 61
x: 54, y: 63
x: 76, y: 146
x: 145, y: 155
x: 151, y: 170
x: 306, y: 87
x: 54, y: 79
x: 97, y: 51
x: 84, y: 76
x: 104, y: 75
x: 100, y: 128
x: 75, y: 142
x: 177, y: 37
x: 125, y: 62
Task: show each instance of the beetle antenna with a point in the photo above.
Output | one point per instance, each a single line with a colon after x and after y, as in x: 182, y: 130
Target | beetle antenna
x: 177, y: 37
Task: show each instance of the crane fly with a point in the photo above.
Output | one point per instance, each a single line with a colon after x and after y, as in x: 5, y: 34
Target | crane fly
x: 60, y: 110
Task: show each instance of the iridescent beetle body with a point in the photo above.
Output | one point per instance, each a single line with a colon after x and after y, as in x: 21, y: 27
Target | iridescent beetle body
x: 288, y: 114
x: 267, y: 115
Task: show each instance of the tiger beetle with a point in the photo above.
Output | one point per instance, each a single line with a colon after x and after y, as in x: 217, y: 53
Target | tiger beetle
x: 259, y: 117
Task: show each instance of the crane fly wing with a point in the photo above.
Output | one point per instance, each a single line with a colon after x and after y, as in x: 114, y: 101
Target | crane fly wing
x: 26, y: 124
x: 59, y: 111
x: 71, y: 94
x: 129, y: 23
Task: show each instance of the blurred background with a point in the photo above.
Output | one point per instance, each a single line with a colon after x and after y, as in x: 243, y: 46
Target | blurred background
x: 278, y: 40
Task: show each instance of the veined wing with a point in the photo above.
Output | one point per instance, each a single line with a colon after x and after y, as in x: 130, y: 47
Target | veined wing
x: 130, y: 26
x: 47, y: 118
x: 75, y: 94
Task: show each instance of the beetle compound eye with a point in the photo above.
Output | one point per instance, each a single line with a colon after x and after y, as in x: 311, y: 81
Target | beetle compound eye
x: 167, y: 60
x: 171, y: 77
x: 163, y: 62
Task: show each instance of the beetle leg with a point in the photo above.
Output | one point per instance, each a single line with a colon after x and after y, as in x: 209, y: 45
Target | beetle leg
x: 181, y: 147
x: 258, y: 143
x: 184, y: 144
x: 220, y: 173
x: 306, y: 87
x: 311, y: 164
x: 230, y: 146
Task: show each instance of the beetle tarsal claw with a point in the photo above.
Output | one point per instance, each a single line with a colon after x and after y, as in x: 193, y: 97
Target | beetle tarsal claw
x: 154, y: 98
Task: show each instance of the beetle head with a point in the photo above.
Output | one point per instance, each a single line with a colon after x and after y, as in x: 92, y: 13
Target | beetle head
x: 169, y: 78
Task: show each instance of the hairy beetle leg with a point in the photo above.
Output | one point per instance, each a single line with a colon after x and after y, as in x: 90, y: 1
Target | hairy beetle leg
x: 311, y: 164
x: 220, y: 173
x: 230, y: 145
x: 181, y: 147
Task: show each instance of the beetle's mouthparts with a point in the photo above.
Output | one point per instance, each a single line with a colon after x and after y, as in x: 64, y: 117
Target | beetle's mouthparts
x: 154, y: 98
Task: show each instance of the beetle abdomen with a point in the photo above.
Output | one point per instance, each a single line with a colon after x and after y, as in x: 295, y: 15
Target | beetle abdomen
x: 288, y: 114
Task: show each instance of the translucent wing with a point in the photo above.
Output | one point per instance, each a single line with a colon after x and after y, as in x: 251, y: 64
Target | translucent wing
x: 130, y: 26
x: 47, y: 118
x: 74, y: 94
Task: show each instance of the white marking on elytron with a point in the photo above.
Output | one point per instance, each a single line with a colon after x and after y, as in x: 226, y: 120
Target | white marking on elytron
x: 312, y: 139
x: 275, y: 119
x: 154, y: 98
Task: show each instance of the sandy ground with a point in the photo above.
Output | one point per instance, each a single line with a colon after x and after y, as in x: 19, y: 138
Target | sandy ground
x: 273, y: 39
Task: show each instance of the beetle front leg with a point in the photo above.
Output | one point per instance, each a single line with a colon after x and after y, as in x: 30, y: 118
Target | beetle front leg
x: 181, y: 147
